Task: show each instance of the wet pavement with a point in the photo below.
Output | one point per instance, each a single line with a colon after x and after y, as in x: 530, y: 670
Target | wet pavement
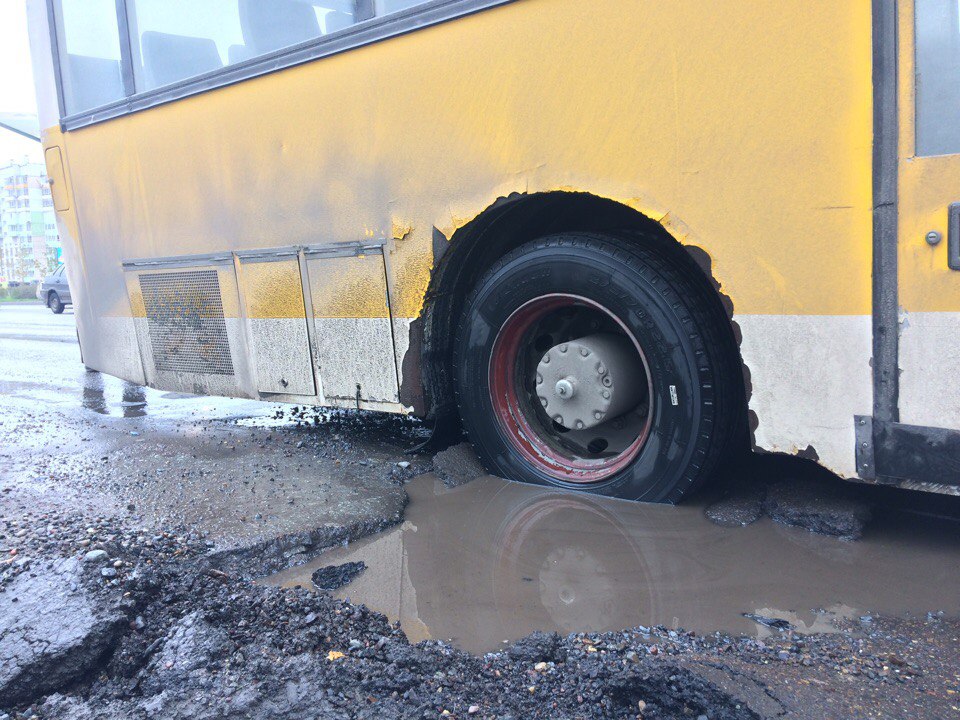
x: 238, y: 472
x: 493, y: 561
x: 33, y: 321
x: 186, y: 499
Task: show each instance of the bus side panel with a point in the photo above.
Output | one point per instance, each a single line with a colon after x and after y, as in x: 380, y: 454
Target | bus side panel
x: 756, y: 151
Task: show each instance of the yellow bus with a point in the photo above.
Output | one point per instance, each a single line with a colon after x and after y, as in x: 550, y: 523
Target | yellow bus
x: 618, y: 240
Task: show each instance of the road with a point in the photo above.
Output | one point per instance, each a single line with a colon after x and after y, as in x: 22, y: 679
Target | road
x: 33, y: 321
x: 195, y: 498
x: 95, y: 438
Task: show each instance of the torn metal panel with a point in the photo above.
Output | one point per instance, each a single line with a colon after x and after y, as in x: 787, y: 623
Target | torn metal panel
x: 810, y: 375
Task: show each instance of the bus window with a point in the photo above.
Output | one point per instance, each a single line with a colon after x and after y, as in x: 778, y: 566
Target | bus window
x: 385, y: 7
x: 276, y: 24
x: 89, y: 44
x: 938, y: 77
x: 177, y: 39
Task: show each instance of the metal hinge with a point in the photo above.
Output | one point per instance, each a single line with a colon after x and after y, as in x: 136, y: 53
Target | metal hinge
x: 863, y: 432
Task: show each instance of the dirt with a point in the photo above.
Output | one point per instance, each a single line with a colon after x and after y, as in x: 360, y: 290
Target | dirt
x: 333, y: 577
x: 457, y: 465
x: 153, y: 498
x: 203, y: 644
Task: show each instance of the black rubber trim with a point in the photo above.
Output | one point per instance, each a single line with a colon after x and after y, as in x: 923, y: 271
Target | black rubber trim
x: 886, y: 381
x: 916, y: 453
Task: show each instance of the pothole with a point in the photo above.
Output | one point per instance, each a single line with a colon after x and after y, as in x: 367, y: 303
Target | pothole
x: 492, y: 561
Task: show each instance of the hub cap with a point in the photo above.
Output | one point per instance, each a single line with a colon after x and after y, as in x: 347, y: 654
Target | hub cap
x: 594, y: 378
x: 571, y: 388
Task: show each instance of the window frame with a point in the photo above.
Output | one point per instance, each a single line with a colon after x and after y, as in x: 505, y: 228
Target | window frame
x: 364, y: 32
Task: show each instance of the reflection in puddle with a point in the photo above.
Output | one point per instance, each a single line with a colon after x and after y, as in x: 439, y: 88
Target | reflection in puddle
x: 133, y: 398
x: 493, y: 561
x: 111, y: 396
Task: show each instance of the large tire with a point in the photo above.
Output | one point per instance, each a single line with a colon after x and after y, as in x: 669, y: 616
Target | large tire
x: 54, y: 303
x: 648, y: 292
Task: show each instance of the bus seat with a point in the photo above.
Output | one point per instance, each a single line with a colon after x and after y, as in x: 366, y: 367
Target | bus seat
x: 168, y: 58
x: 336, y: 20
x: 269, y: 26
x: 239, y: 53
x: 93, y: 82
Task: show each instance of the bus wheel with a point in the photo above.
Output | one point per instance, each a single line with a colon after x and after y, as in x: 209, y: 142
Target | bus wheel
x: 593, y: 362
x: 54, y: 303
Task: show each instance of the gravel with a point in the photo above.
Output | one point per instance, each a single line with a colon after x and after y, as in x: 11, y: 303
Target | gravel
x: 333, y: 577
x: 457, y: 465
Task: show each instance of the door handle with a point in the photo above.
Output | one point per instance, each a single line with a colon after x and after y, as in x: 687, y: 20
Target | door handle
x: 953, y: 236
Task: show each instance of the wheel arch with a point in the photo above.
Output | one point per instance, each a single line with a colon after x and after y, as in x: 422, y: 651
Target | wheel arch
x: 504, y: 225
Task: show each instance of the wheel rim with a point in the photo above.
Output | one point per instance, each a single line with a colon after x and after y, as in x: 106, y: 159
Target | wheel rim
x: 521, y: 395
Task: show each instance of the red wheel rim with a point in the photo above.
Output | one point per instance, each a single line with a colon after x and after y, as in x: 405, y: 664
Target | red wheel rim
x: 517, y: 414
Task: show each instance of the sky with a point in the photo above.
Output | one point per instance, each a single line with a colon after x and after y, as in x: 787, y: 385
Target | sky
x: 16, y: 79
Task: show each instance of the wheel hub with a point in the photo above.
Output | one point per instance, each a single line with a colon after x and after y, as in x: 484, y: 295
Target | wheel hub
x: 585, y: 382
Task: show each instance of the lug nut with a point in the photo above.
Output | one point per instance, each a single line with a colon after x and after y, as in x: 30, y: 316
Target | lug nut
x: 598, y: 415
x: 579, y: 424
x: 606, y: 394
x: 539, y: 379
x: 558, y: 419
x: 584, y: 351
x: 601, y: 369
x: 563, y: 348
x: 607, y: 381
x: 546, y: 359
x: 565, y: 389
x: 543, y: 401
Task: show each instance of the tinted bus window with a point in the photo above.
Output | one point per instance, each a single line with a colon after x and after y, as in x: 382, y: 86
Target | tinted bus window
x: 177, y: 39
x: 384, y: 7
x: 89, y: 45
x: 938, y: 77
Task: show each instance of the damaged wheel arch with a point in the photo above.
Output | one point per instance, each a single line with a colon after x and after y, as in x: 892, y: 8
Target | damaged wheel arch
x: 502, y: 227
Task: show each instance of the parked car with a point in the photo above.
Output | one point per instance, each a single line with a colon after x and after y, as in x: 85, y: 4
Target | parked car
x: 54, y: 291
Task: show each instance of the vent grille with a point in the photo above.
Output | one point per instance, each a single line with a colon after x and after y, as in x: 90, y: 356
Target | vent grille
x: 185, y: 322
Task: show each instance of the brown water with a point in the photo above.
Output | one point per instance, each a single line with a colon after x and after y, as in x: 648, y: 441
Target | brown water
x: 493, y: 561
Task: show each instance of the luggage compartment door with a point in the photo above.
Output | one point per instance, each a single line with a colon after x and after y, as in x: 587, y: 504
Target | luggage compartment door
x: 353, y: 331
x: 272, y: 291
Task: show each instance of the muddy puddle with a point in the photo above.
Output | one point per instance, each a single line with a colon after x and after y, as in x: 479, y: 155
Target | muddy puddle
x: 493, y: 561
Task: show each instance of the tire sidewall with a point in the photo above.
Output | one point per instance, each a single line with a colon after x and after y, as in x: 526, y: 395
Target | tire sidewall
x: 54, y: 303
x: 642, y: 301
